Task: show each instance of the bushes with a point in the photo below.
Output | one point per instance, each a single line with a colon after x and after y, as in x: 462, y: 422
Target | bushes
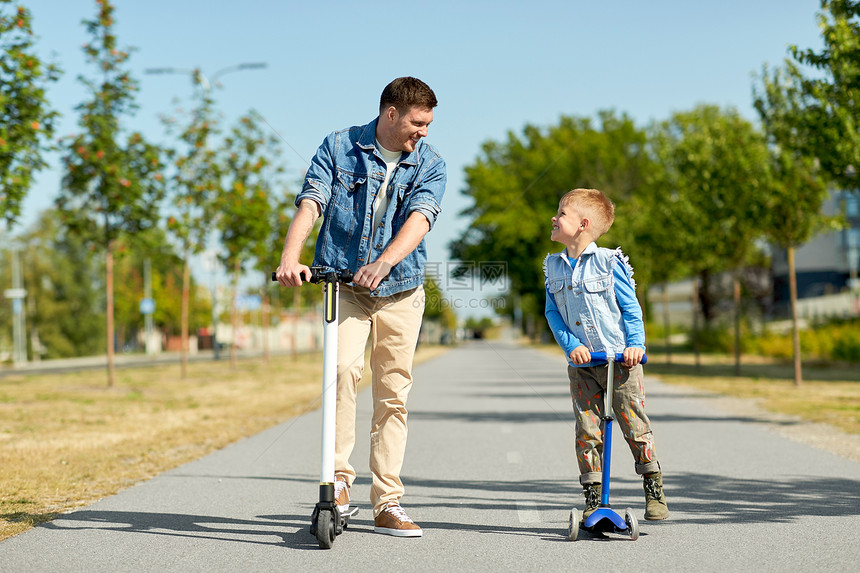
x: 836, y: 340
x: 847, y: 344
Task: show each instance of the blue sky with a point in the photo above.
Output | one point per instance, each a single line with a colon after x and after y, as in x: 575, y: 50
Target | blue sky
x: 495, y: 65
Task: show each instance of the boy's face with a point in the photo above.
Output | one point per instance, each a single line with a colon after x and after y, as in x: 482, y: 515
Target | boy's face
x: 566, y: 225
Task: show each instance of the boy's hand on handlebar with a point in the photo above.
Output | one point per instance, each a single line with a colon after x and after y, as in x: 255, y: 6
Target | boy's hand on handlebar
x: 371, y: 275
x: 580, y: 355
x: 292, y: 274
x: 633, y: 356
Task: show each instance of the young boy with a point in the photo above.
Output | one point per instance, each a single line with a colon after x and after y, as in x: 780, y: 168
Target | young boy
x: 591, y: 306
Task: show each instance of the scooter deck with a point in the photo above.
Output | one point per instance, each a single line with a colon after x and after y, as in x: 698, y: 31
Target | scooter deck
x: 352, y: 511
x: 604, y: 519
x: 344, y: 517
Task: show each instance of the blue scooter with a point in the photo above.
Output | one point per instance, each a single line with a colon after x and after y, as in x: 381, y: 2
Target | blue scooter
x: 604, y: 519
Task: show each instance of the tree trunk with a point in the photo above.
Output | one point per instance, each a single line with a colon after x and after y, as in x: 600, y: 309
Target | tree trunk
x: 737, y: 296
x: 186, y: 287
x: 704, y: 297
x: 696, y: 323
x: 795, y: 328
x: 109, y: 288
x: 235, y: 315
x: 666, y: 324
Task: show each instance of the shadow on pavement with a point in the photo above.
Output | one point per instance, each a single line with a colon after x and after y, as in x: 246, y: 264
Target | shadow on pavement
x: 706, y: 498
x: 548, y: 415
x: 276, y: 530
x: 692, y: 497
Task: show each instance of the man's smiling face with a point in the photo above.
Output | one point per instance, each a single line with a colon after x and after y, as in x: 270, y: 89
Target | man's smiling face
x: 402, y: 132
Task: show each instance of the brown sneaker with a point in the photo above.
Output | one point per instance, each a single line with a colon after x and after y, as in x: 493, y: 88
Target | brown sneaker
x: 393, y: 521
x: 341, y: 494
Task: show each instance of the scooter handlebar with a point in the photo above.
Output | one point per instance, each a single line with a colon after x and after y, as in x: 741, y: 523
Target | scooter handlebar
x: 619, y: 357
x: 318, y: 274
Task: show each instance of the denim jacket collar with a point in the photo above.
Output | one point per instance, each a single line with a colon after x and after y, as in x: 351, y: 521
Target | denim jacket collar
x: 367, y: 141
x: 589, y: 250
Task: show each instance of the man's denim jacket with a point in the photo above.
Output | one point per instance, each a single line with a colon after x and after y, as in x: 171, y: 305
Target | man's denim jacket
x: 345, y: 177
x: 593, y: 302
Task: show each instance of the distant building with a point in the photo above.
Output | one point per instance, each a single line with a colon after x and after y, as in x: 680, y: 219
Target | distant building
x: 826, y: 265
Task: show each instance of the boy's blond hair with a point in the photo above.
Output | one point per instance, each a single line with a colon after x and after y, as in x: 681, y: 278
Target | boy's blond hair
x: 592, y: 205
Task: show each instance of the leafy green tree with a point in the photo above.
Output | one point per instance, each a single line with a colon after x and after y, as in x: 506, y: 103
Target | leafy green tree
x: 244, y: 205
x: 65, y: 307
x: 715, y: 190
x: 515, y: 187
x: 266, y: 253
x: 655, y: 219
x: 166, y: 282
x: 829, y: 93
x: 798, y: 190
x: 26, y: 120
x: 111, y: 186
x: 194, y: 186
x: 435, y: 309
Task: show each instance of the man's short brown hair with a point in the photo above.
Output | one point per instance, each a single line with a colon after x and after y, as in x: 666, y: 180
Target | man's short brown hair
x: 406, y: 92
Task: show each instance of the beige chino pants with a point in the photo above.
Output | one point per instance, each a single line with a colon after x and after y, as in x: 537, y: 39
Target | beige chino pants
x: 393, y: 324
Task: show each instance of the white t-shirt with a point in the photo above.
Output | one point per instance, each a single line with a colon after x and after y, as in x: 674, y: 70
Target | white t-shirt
x: 383, y: 198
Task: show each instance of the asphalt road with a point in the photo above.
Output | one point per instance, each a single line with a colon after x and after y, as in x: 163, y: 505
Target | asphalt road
x: 490, y: 476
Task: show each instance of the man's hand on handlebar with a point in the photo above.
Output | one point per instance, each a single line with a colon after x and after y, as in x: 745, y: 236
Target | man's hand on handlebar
x: 292, y: 274
x: 371, y: 275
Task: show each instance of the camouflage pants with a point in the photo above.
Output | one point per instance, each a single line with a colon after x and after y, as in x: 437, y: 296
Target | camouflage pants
x: 587, y: 387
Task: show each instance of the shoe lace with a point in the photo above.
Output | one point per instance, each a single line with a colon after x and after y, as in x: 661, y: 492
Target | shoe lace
x: 398, y: 512
x: 653, y: 489
x: 592, y: 497
x: 339, y: 486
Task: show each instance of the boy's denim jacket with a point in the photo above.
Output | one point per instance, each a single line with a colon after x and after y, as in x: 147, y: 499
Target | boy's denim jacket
x: 593, y: 302
x: 344, y: 178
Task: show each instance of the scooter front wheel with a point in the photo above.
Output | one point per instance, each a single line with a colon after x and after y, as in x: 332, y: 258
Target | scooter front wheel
x: 632, y: 524
x: 573, y: 526
x: 325, y: 529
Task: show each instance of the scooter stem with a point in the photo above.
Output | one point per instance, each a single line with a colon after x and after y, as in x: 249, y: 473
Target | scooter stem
x: 329, y: 398
x: 607, y: 431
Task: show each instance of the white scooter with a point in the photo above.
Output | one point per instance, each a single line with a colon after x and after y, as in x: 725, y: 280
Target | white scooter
x: 326, y: 521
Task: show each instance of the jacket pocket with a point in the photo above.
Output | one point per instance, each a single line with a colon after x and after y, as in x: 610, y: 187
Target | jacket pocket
x: 345, y: 190
x: 598, y: 285
x: 556, y: 289
x: 598, y: 292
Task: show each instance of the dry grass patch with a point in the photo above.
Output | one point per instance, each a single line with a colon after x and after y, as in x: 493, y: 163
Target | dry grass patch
x: 66, y: 440
x: 830, y: 393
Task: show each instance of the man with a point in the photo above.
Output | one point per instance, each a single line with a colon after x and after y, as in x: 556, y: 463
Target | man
x: 379, y: 187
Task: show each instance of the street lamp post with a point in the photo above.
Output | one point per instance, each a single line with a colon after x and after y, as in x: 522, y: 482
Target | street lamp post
x: 198, y: 76
x: 19, y: 326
